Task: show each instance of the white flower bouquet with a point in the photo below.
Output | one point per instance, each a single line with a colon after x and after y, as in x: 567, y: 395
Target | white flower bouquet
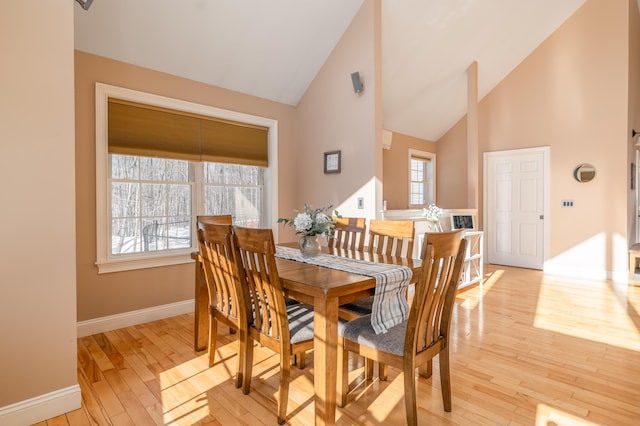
x: 311, y: 221
x: 433, y: 214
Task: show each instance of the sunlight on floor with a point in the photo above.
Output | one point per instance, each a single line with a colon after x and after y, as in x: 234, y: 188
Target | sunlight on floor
x: 550, y: 416
x: 473, y: 297
x: 601, y: 316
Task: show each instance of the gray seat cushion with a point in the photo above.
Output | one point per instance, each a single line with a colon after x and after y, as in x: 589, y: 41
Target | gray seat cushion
x: 301, y: 322
x: 360, y: 331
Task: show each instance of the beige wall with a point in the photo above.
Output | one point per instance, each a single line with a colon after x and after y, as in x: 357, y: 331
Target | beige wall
x: 37, y: 218
x: 570, y: 94
x: 114, y: 293
x: 396, y: 169
x: 331, y: 117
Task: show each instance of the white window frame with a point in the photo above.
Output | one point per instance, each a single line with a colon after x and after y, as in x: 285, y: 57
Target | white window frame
x: 105, y: 261
x: 430, y: 183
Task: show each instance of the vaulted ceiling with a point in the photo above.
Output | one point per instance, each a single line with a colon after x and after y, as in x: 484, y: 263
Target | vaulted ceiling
x: 273, y: 49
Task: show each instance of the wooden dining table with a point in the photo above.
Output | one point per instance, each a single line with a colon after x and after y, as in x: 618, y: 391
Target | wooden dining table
x: 325, y: 289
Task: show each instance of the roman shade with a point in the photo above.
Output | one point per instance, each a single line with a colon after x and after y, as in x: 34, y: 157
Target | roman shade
x: 152, y: 131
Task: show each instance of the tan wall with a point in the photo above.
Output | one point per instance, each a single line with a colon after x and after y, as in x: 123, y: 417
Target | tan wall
x: 113, y: 293
x: 332, y: 117
x: 37, y: 218
x: 395, y: 170
x: 570, y: 94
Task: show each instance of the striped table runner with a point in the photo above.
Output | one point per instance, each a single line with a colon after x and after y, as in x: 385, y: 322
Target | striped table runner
x: 390, y: 306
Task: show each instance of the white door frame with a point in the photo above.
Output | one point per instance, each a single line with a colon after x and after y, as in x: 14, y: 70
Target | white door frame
x: 546, y: 155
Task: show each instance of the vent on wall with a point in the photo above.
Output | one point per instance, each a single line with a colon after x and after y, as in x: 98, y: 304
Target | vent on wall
x: 387, y: 137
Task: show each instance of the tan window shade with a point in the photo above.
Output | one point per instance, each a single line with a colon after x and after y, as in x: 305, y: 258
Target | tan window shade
x: 223, y: 142
x: 138, y: 129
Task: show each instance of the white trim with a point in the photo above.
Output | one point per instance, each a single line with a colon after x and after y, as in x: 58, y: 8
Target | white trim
x: 103, y: 223
x: 42, y: 407
x: 127, y: 319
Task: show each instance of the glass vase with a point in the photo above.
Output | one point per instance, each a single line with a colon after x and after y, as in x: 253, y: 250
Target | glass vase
x: 310, y: 246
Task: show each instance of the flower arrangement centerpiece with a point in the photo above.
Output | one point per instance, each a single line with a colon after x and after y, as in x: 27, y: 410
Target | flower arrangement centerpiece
x: 433, y: 214
x: 310, y: 223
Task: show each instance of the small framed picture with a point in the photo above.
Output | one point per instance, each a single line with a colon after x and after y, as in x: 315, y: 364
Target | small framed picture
x: 332, y: 162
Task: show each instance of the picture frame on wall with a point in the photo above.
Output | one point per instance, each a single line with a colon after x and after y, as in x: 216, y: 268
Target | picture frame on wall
x: 332, y: 162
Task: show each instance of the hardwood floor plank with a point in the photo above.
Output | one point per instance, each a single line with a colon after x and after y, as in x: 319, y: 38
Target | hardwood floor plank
x: 525, y: 350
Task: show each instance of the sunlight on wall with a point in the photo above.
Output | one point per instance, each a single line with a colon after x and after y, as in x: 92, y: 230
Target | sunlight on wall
x: 349, y: 207
x: 547, y: 416
x: 588, y: 259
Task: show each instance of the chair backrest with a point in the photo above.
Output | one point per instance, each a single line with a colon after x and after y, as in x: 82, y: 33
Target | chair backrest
x: 216, y: 253
x: 220, y: 219
x: 258, y: 273
x: 349, y: 233
x: 391, y: 237
x: 441, y: 240
x: 432, y: 305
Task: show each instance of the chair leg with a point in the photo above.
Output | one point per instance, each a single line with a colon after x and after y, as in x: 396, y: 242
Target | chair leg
x: 445, y: 379
x: 425, y: 370
x: 213, y: 334
x: 410, y: 395
x: 242, y: 353
x: 283, y: 391
x: 382, y: 371
x: 368, y: 368
x: 343, y: 374
x: 248, y: 365
x: 301, y: 360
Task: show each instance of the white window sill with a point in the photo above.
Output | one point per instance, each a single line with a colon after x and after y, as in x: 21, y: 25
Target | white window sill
x: 130, y: 264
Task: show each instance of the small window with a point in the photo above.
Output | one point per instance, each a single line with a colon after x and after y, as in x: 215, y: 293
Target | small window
x: 421, y: 179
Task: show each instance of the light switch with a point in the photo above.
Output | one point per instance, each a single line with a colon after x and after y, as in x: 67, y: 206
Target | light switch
x: 360, y: 202
x: 567, y: 203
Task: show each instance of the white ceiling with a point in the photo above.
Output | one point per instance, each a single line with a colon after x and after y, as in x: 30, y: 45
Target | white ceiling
x: 273, y: 49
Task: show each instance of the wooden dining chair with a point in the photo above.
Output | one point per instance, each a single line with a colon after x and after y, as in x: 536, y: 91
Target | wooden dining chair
x: 226, y: 299
x: 287, y: 330
x: 348, y: 233
x: 387, y: 237
x: 425, y: 334
x: 219, y: 219
x: 391, y: 237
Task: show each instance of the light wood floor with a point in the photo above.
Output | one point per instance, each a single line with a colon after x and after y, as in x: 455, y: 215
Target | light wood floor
x: 526, y: 350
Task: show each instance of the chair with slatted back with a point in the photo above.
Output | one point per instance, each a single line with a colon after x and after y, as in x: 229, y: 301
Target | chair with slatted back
x: 424, y: 335
x: 348, y: 233
x: 219, y: 219
x: 388, y: 237
x: 285, y: 329
x: 226, y: 300
x: 391, y: 237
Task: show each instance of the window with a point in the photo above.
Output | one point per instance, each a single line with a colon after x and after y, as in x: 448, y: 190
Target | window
x: 147, y: 204
x: 421, y: 178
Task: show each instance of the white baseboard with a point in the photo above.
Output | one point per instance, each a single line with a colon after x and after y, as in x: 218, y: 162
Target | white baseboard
x: 41, y: 407
x: 126, y: 319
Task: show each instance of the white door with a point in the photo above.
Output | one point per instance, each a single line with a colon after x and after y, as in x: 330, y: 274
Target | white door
x: 515, y: 191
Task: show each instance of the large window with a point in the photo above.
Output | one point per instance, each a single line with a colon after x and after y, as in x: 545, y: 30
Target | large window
x: 421, y: 178
x: 152, y: 200
x: 149, y: 194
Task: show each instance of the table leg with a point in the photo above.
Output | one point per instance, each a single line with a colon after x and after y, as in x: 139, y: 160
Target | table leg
x: 325, y: 359
x: 201, y: 323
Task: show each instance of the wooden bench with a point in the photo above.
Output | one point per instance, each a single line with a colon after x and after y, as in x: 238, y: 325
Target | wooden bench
x: 634, y: 255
